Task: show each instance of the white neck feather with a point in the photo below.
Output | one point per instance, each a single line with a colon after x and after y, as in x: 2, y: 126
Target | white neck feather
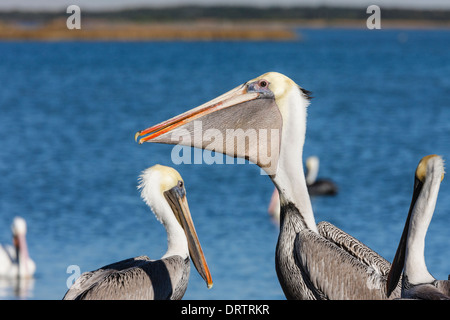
x: 153, y: 197
x: 290, y: 178
x: 415, y: 267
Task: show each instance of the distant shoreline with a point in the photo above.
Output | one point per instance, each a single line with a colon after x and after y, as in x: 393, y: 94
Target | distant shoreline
x: 121, y: 31
x: 200, y: 31
x: 206, y: 23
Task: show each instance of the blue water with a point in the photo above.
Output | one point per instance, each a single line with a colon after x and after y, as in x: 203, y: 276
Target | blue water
x: 69, y: 163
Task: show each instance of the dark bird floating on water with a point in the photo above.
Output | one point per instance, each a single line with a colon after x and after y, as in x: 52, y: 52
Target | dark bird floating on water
x: 316, y: 187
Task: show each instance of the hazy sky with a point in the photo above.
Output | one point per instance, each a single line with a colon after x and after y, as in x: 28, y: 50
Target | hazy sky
x: 114, y: 4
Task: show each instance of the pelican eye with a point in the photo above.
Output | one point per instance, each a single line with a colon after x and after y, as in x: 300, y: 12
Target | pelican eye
x: 180, y: 184
x: 263, y: 83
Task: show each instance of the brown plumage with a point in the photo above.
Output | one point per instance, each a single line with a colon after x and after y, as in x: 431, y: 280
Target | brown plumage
x: 274, y: 103
x: 162, y: 188
x: 136, y: 278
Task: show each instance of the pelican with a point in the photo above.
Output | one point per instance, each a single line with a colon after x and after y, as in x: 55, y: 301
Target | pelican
x: 140, y: 278
x: 318, y: 186
x: 315, y: 186
x: 312, y: 261
x: 14, y: 260
x: 417, y: 282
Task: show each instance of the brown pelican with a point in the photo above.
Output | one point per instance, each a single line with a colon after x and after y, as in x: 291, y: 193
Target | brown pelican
x: 315, y: 186
x: 417, y: 282
x: 162, y: 188
x: 14, y: 260
x: 312, y: 261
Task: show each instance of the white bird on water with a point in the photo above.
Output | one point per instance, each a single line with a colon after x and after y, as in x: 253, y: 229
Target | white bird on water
x: 162, y: 188
x: 417, y: 282
x: 15, y: 261
x: 312, y: 261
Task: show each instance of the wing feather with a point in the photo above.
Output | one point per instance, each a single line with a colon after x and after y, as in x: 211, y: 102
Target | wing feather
x: 427, y: 291
x: 354, y: 247
x: 334, y: 272
x: 134, y: 278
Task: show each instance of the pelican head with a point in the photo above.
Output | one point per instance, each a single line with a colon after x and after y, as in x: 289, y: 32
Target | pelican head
x: 428, y: 176
x: 312, y: 164
x: 19, y: 231
x: 262, y: 120
x: 19, y: 226
x: 162, y: 188
x: 428, y: 166
x: 257, y: 110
